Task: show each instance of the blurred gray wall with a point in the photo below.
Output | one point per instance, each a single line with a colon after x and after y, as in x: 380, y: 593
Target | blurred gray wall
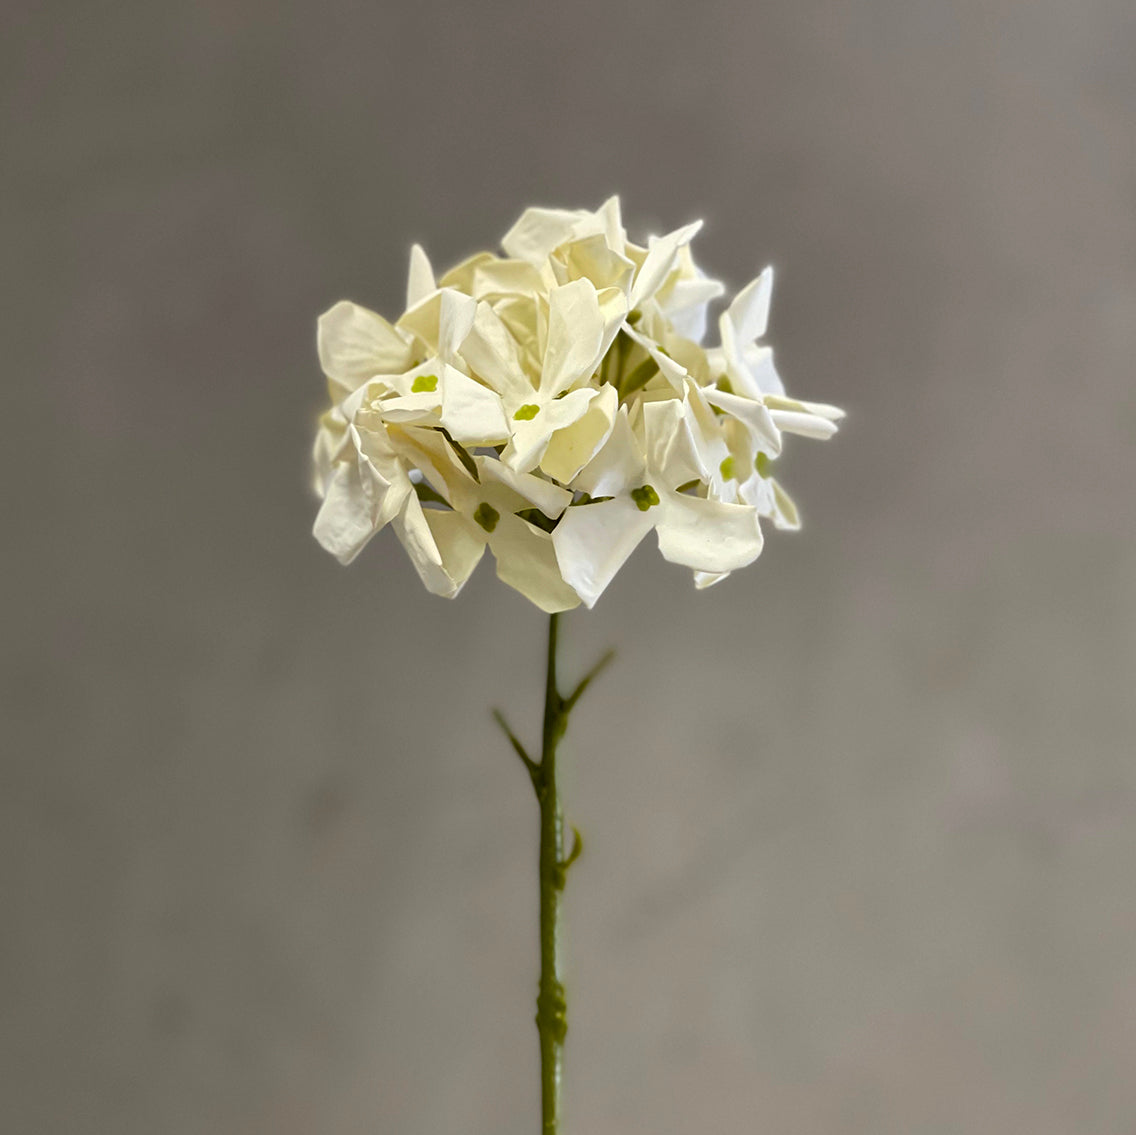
x: 860, y: 823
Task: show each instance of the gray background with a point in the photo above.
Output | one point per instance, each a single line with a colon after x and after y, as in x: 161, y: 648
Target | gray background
x: 860, y: 822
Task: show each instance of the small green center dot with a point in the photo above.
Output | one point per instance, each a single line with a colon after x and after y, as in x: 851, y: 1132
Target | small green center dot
x: 644, y: 497
x: 527, y: 412
x: 727, y: 468
x: 761, y: 464
x: 487, y: 516
x: 725, y: 385
x: 424, y: 384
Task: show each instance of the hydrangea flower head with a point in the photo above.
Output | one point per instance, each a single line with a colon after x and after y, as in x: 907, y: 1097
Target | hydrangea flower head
x: 555, y: 405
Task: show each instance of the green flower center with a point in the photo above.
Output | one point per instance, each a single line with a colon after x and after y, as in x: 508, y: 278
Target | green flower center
x: 527, y: 412
x: 727, y: 468
x: 761, y: 464
x: 725, y: 385
x: 424, y: 384
x: 644, y: 497
x: 487, y: 516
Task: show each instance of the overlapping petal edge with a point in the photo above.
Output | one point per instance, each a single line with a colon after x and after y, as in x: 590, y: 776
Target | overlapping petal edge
x: 554, y: 405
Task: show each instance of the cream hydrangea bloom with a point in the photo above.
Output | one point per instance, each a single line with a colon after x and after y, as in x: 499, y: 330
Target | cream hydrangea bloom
x: 555, y: 405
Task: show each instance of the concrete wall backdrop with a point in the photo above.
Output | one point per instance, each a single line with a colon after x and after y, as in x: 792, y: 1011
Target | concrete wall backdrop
x: 861, y: 822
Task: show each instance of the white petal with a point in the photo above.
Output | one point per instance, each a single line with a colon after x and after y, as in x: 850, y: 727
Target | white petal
x: 460, y: 277
x: 406, y: 409
x: 460, y: 544
x: 355, y: 344
x: 820, y: 409
x: 353, y: 509
x: 506, y: 277
x: 751, y: 412
x: 592, y: 259
x: 420, y: 281
x: 706, y: 534
x: 531, y: 436
x: 526, y: 561
x: 686, y: 305
x: 328, y: 444
x: 416, y: 537
x: 785, y: 515
x: 749, y: 312
x: 472, y: 413
x: 704, y: 579
x: 551, y: 499
x: 593, y: 541
x: 441, y: 321
x: 674, y: 372
x: 538, y: 232
x: 660, y: 260
x: 807, y: 425
x: 573, y: 446
x: 575, y: 335
x: 455, y: 320
x: 617, y: 467
x: 676, y: 451
x: 609, y: 214
x: 491, y: 351
x: 757, y: 360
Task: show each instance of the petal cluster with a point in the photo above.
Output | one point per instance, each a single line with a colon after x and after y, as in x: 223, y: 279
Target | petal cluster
x: 555, y: 405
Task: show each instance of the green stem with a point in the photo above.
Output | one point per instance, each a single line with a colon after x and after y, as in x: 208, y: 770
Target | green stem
x: 551, y: 1015
x: 551, y: 1010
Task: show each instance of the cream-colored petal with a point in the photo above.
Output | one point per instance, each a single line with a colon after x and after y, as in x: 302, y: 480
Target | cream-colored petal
x: 522, y: 315
x: 358, y: 502
x: 609, y: 214
x: 472, y: 413
x: 613, y: 312
x: 757, y: 360
x: 460, y: 544
x: 807, y: 425
x: 491, y: 351
x: 441, y: 321
x: 538, y: 232
x: 408, y: 409
x: 344, y: 522
x: 618, y: 466
x: 506, y: 277
x: 686, y: 302
x: 749, y: 411
x: 355, y: 344
x: 455, y: 321
x: 820, y: 409
x: 592, y: 259
x: 674, y: 453
x: 420, y: 280
x: 526, y: 561
x: 593, y: 541
x: 575, y: 335
x: 704, y: 579
x: 574, y: 445
x: 460, y: 277
x: 328, y: 444
x: 707, y: 534
x: 742, y: 378
x: 661, y: 253
x: 551, y: 499
x: 414, y: 532
x: 673, y: 371
x: 532, y: 436
x: 749, y: 311
x: 785, y: 515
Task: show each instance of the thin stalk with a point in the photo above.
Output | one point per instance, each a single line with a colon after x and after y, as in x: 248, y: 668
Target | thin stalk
x: 551, y: 1010
x: 551, y: 1015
